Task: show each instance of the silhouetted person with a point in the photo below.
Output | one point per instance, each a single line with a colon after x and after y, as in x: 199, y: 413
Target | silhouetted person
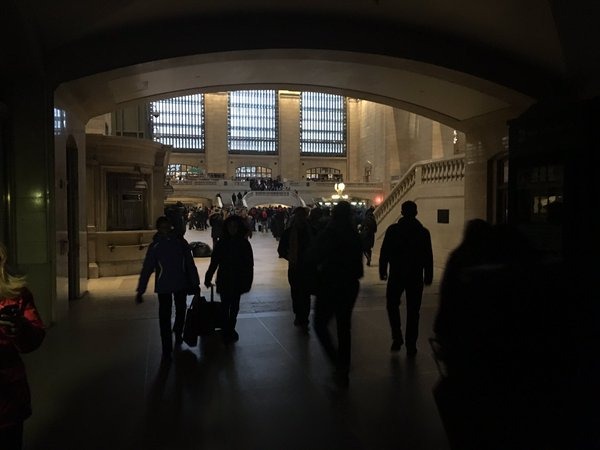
x: 233, y: 258
x: 337, y: 254
x: 314, y: 218
x: 293, y: 245
x: 169, y: 256
x: 455, y: 315
x: 407, y: 250
x: 501, y: 338
x: 367, y: 234
x: 278, y: 223
x: 233, y: 199
x: 21, y: 331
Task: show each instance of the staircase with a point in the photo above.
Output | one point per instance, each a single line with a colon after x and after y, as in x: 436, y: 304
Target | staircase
x: 423, y: 177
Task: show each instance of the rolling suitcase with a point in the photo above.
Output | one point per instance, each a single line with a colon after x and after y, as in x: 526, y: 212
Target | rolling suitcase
x: 211, y: 315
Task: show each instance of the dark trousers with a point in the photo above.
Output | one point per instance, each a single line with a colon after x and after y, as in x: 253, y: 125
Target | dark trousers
x: 300, y: 295
x: 165, y: 305
x: 230, y: 302
x: 414, y: 293
x: 11, y: 438
x: 336, y: 301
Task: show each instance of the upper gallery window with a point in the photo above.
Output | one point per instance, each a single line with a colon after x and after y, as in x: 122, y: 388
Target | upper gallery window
x: 181, y: 171
x: 60, y: 121
x: 179, y: 121
x: 322, y: 124
x: 252, y: 121
x: 243, y: 173
x: 323, y: 174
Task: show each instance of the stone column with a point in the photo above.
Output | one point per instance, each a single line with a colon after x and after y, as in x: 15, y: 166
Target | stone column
x: 289, y: 137
x: 216, y: 134
x: 482, y: 144
x: 30, y: 129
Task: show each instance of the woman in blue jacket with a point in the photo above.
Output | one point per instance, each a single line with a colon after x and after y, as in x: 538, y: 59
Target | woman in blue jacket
x: 176, y: 275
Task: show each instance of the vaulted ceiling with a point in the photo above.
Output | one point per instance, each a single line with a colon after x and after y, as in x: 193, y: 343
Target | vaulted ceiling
x: 456, y: 61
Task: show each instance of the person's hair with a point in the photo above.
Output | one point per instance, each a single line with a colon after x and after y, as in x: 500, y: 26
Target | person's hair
x: 300, y: 211
x: 409, y: 208
x: 342, y: 211
x: 161, y: 220
x: 241, y: 231
x: 477, y: 232
x: 315, y: 213
x: 10, y: 285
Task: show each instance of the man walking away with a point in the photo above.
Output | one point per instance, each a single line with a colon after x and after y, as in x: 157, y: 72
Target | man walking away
x: 407, y: 250
x: 337, y: 255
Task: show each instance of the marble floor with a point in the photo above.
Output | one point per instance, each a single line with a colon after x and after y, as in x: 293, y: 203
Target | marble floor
x: 97, y: 381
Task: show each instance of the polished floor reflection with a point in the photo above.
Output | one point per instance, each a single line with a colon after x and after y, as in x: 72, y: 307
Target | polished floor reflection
x: 98, y: 383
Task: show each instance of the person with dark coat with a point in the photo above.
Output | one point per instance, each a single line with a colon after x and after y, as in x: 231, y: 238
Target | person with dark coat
x: 21, y: 331
x: 278, y: 223
x: 314, y: 218
x: 406, y: 249
x: 509, y: 371
x: 337, y: 255
x: 368, y: 229
x: 233, y: 199
x: 293, y: 245
x: 233, y: 258
x: 176, y: 275
x: 455, y: 317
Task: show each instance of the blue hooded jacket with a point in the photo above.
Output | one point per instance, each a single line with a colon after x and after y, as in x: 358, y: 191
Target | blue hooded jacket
x: 170, y: 257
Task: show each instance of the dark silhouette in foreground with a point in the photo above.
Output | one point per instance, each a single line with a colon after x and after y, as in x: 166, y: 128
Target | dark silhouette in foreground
x: 505, y: 344
x: 337, y: 255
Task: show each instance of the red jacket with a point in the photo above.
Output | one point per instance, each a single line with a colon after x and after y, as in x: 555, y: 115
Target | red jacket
x: 15, y: 400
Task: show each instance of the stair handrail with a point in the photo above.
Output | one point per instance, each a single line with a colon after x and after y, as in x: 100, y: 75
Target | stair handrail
x: 432, y: 171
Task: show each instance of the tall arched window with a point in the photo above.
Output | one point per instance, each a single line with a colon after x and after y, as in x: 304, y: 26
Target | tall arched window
x: 179, y: 121
x: 322, y: 124
x: 324, y: 174
x: 252, y: 121
x: 242, y: 173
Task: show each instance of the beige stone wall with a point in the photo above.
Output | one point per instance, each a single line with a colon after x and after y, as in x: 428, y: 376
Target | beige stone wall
x: 482, y: 144
x: 216, y: 133
x: 289, y: 137
x: 99, y: 125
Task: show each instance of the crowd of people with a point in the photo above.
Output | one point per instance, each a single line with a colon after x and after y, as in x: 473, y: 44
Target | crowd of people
x: 495, y: 332
x: 487, y: 335
x: 324, y: 247
x: 267, y: 184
